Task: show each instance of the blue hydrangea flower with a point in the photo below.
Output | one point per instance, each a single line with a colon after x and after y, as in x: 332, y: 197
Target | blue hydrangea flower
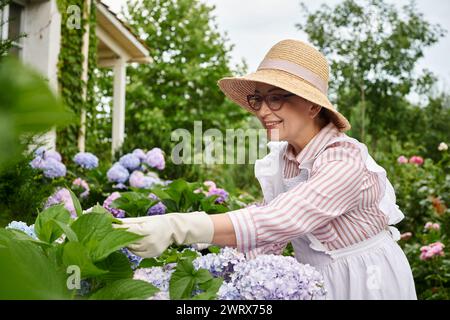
x: 117, y: 173
x: 140, y: 154
x: 157, y: 276
x: 130, y: 161
x: 53, y: 168
x: 22, y: 226
x: 86, y: 160
x: 85, y: 288
x: 134, y: 259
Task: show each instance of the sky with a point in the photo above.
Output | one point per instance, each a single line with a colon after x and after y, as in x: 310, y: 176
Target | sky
x: 254, y: 26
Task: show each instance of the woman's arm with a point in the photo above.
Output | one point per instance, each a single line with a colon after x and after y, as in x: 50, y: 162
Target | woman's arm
x: 224, y: 234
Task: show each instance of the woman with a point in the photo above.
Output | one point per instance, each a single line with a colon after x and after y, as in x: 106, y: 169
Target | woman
x: 322, y: 190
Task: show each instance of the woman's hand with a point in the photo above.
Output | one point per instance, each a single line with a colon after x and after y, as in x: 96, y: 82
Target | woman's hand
x: 160, y: 231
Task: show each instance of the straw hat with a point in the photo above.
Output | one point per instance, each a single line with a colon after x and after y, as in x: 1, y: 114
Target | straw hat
x: 294, y: 66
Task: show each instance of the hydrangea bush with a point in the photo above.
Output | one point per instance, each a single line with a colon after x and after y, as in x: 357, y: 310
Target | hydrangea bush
x: 60, y: 243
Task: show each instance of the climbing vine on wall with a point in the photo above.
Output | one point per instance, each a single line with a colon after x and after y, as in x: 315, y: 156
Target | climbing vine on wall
x: 70, y: 70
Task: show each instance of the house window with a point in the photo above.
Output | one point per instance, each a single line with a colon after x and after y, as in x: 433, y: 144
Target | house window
x: 11, y: 26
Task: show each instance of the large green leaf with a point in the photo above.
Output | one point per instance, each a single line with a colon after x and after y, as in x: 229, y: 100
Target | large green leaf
x: 76, y: 203
x: 27, y: 273
x: 117, y: 265
x: 113, y: 241
x: 45, y: 227
x: 75, y: 254
x: 182, y: 281
x: 135, y: 204
x: 125, y: 289
x: 70, y: 234
x: 27, y: 105
x: 92, y: 226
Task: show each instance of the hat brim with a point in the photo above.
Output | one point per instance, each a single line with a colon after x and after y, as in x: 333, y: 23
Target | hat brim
x: 237, y: 89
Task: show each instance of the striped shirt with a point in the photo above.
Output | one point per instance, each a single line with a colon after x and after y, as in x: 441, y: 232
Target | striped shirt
x: 338, y: 204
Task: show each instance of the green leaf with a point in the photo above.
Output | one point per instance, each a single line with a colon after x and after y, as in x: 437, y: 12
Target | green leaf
x: 76, y: 203
x: 117, y: 265
x: 150, y: 262
x: 211, y: 287
x: 67, y: 230
x: 182, y: 281
x: 125, y: 289
x: 135, y: 204
x: 99, y: 209
x: 45, y: 228
x: 113, y: 241
x: 92, y: 226
x: 27, y: 273
x: 75, y: 254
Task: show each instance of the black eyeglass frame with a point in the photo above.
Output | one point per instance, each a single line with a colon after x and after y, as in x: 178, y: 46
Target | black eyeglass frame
x: 264, y: 98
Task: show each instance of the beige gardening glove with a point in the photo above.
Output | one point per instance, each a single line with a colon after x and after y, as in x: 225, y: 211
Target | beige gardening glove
x: 161, y: 231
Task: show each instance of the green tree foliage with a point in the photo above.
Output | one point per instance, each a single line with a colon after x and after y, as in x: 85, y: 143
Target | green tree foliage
x: 179, y: 86
x: 373, y: 48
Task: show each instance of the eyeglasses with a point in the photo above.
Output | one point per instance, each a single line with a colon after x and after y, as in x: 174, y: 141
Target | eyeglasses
x: 273, y: 101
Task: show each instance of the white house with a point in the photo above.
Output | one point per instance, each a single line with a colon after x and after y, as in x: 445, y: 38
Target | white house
x: 40, y: 20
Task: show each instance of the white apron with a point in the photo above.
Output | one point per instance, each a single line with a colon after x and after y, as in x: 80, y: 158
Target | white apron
x: 376, y: 268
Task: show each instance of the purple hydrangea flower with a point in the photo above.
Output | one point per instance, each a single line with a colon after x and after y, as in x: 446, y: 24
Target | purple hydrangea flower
x: 117, y: 173
x: 139, y: 180
x: 157, y: 276
x: 153, y: 196
x: 53, y: 168
x: 130, y: 161
x: 221, y: 264
x: 140, y: 154
x: 120, y: 186
x: 39, y: 152
x: 228, y: 292
x: 221, y: 193
x: 157, y: 209
x: 37, y: 162
x: 22, y: 226
x: 86, y: 160
x: 52, y: 154
x: 62, y: 195
x: 118, y: 213
x: 155, y: 159
x: 276, y: 277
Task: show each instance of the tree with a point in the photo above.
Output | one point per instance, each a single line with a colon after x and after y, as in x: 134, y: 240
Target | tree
x: 373, y: 48
x: 180, y: 85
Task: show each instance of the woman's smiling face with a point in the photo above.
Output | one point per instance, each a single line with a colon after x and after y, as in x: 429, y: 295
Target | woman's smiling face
x: 295, y: 116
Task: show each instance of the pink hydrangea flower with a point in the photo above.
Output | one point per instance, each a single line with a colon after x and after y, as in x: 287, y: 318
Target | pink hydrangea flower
x: 402, y: 160
x: 210, y: 184
x: 432, y: 226
x: 416, y: 160
x: 82, y: 184
x: 432, y: 250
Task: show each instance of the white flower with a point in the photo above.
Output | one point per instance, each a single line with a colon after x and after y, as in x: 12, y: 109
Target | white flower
x: 443, y: 146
